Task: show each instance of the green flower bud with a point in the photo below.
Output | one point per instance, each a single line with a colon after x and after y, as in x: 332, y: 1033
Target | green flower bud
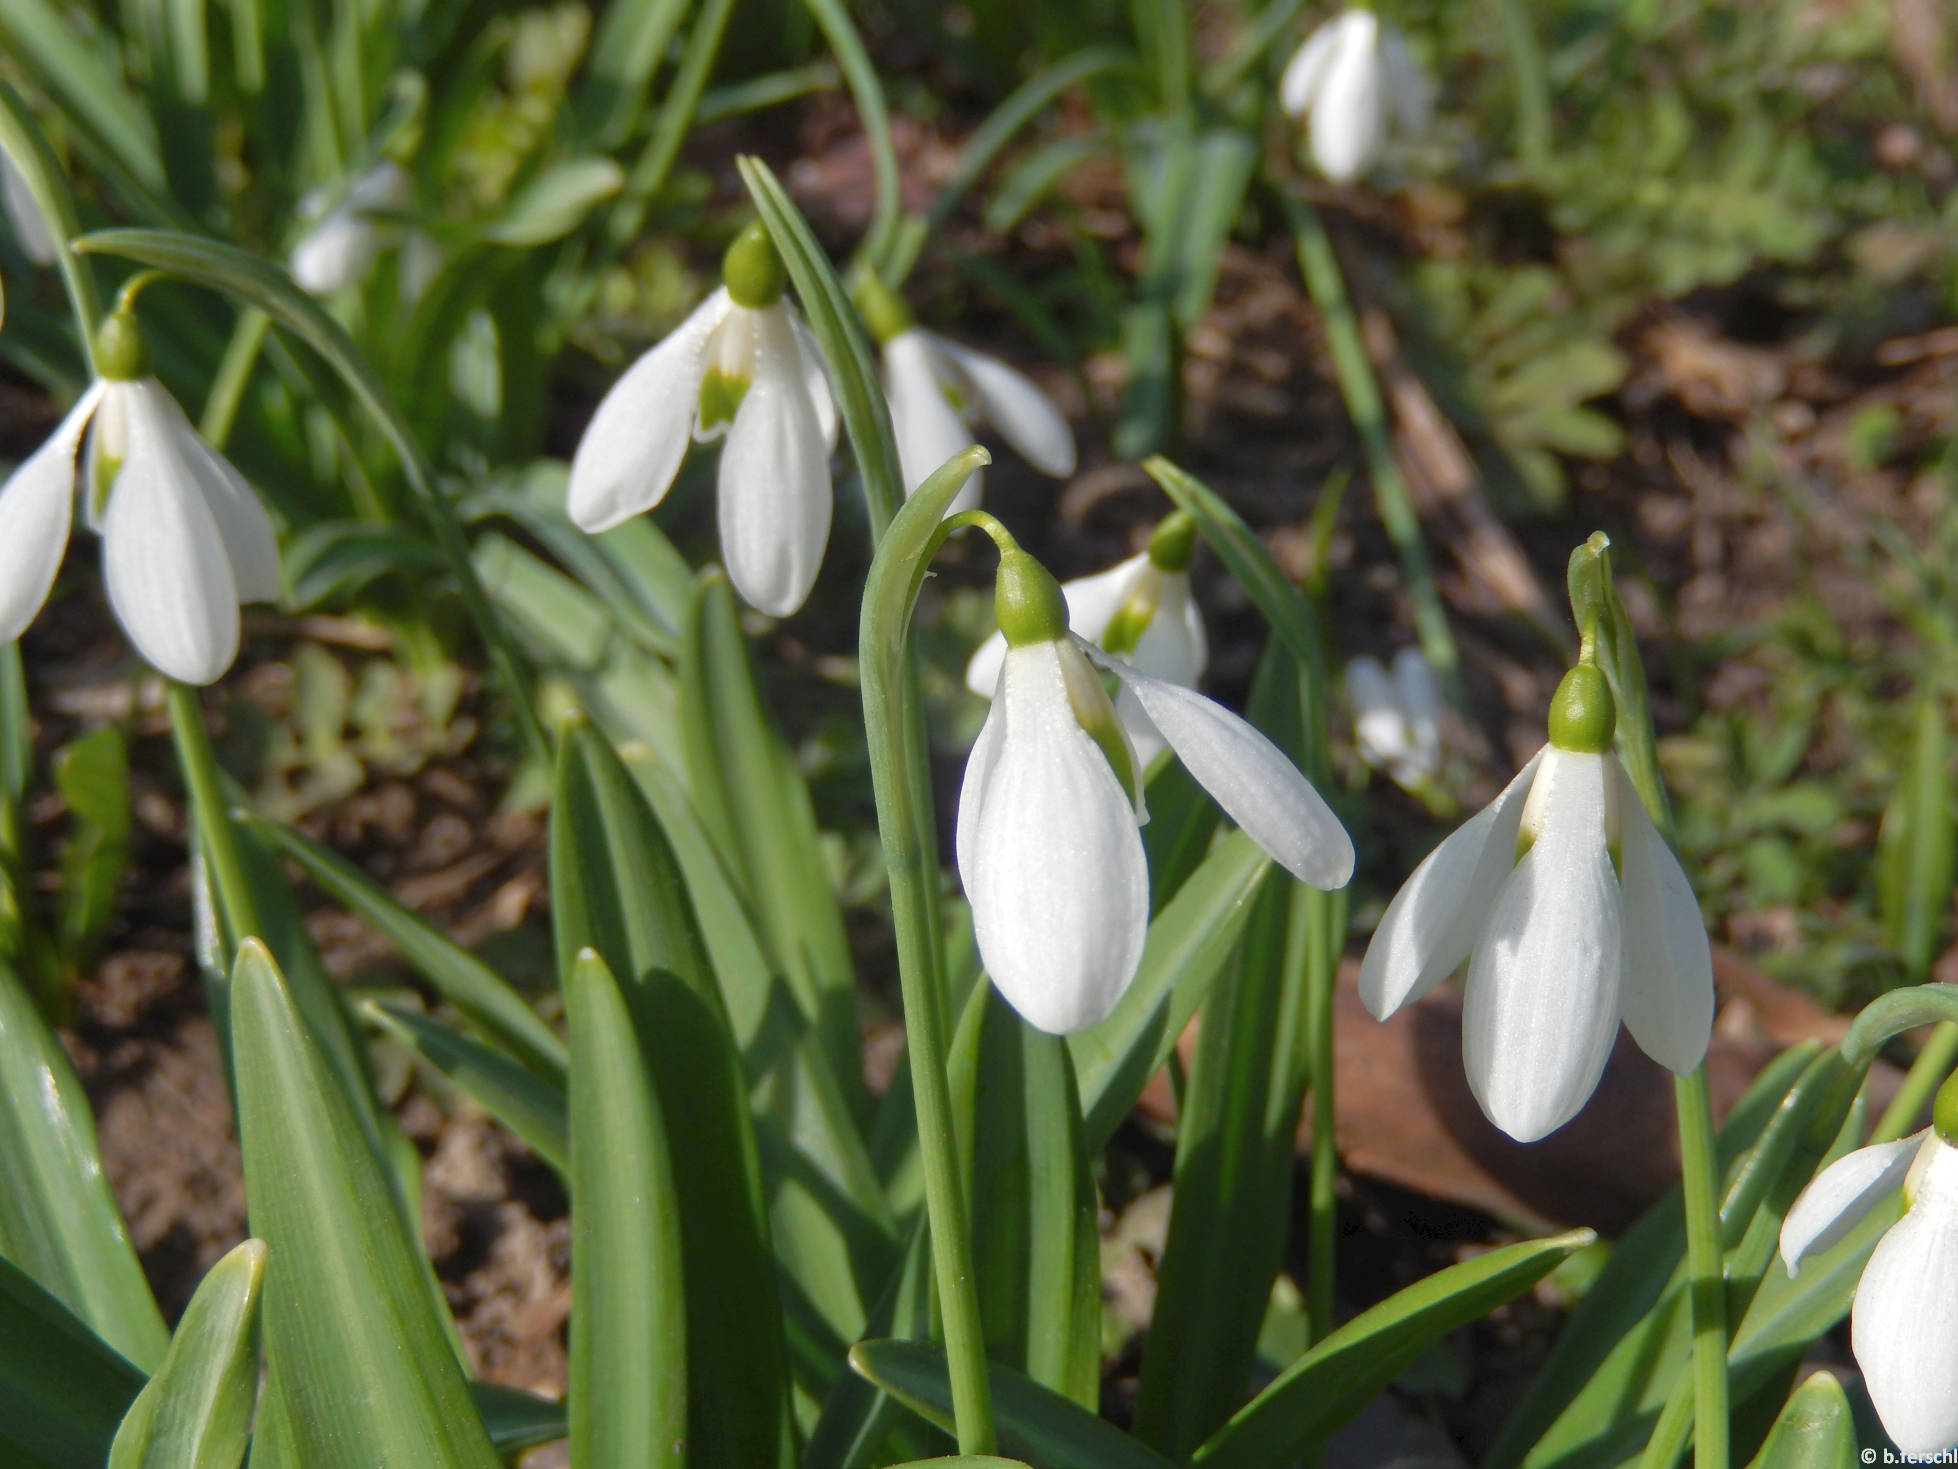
x: 1029, y: 602
x: 1174, y: 541
x: 883, y: 311
x: 1944, y: 1111
x: 752, y: 269
x: 1582, y: 716
x: 121, y: 354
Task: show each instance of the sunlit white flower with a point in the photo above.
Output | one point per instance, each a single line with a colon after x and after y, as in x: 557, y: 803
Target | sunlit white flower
x: 1561, y: 942
x: 744, y: 367
x: 1048, y: 846
x: 1396, y: 719
x: 1904, y: 1326
x: 1140, y: 608
x: 184, y: 539
x: 1354, y: 76
x: 346, y: 236
x: 24, y: 213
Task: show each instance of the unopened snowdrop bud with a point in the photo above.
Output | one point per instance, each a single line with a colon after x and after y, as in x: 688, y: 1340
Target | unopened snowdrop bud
x: 1351, y: 78
x: 743, y: 367
x: 1048, y: 846
x: 346, y: 238
x: 1561, y: 943
x: 1397, y: 718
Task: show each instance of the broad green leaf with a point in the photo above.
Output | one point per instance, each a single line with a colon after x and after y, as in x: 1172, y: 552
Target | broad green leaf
x: 196, y: 1412
x: 1815, y: 1430
x: 58, y: 1220
x: 364, y: 1367
x: 630, y: 42
x: 62, y: 1388
x: 628, y: 1357
x: 338, y: 559
x: 527, y: 1104
x: 16, y: 736
x: 858, y: 1417
x: 1339, y: 1376
x: 556, y: 202
x: 1034, y: 1422
x: 458, y: 975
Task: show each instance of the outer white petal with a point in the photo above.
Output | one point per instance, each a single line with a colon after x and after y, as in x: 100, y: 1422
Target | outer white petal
x: 1904, y: 1328
x: 1541, y: 1007
x: 1410, y: 97
x: 1668, y: 997
x: 929, y: 430
x: 1012, y: 403
x: 1173, y: 646
x: 1250, y: 777
x: 1091, y: 602
x: 37, y: 509
x: 1307, y: 69
x: 164, y: 558
x: 336, y: 253
x: 1050, y: 855
x: 775, y: 500
x: 1440, y: 911
x: 1837, y: 1198
x: 241, y: 519
x: 815, y: 377
x: 24, y: 213
x: 1349, y: 114
x: 634, y: 444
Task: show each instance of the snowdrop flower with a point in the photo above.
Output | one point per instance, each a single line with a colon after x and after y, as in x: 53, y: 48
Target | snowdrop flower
x: 24, y: 214
x: 1352, y: 76
x: 938, y: 389
x: 345, y: 238
x: 1142, y: 610
x: 1048, y: 848
x: 1562, y: 941
x: 745, y: 367
x: 1904, y: 1325
x: 1396, y: 719
x: 184, y: 539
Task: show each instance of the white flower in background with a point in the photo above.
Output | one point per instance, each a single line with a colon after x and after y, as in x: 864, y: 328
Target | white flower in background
x: 1351, y: 78
x: 742, y: 365
x: 184, y: 539
x: 1396, y: 719
x: 1140, y: 609
x: 938, y: 390
x: 1048, y: 846
x: 346, y: 238
x: 24, y: 214
x: 1904, y: 1326
x: 1561, y: 944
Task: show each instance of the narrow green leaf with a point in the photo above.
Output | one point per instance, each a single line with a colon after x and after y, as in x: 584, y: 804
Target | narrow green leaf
x: 530, y: 1106
x: 964, y: 1461
x: 1034, y: 1422
x: 1337, y: 1378
x: 1815, y: 1430
x: 1894, y: 1013
x: 28, y: 148
x: 62, y: 1388
x: 556, y: 202
x: 58, y: 1220
x: 632, y: 37
x: 81, y: 77
x: 868, y: 93
x: 196, y: 1413
x: 1917, y: 849
x: 16, y: 735
x: 92, y: 774
x: 365, y: 1369
x: 457, y: 975
x: 517, y: 1420
x: 629, y: 1318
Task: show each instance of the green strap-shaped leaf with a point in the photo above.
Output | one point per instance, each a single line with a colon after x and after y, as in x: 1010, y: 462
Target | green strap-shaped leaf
x: 58, y: 1220
x: 1815, y: 1430
x: 196, y: 1413
x: 631, y: 41
x: 629, y: 1289
x: 364, y: 1366
x: 62, y: 1388
x: 517, y: 1420
x: 1337, y: 1378
x: 555, y: 202
x: 82, y: 78
x: 1916, y: 851
x: 1034, y: 1422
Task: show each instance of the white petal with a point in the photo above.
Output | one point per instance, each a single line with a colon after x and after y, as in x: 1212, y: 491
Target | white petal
x: 1541, y: 1008
x: 1410, y: 96
x: 1172, y: 646
x: 775, y: 497
x: 1668, y: 997
x: 1436, y: 917
x: 1012, y: 403
x: 634, y: 444
x: 982, y: 672
x: 1050, y: 855
x: 1093, y: 601
x: 1250, y: 777
x: 815, y: 378
x: 1379, y: 727
x: 1307, y: 69
x: 929, y: 430
x: 241, y: 519
x: 1904, y: 1328
x: 37, y: 508
x: 1349, y: 114
x: 24, y: 213
x: 978, y: 771
x: 336, y: 253
x: 164, y: 560
x: 1837, y: 1198
x: 1419, y: 697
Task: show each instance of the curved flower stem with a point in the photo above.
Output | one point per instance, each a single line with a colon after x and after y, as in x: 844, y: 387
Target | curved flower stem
x: 1325, y: 916
x: 1932, y: 1065
x: 213, y: 815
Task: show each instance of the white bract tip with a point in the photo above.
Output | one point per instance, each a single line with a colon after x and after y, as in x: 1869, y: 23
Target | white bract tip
x: 1350, y: 78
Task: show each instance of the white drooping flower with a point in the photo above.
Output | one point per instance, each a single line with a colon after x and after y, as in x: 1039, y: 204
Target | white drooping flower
x: 346, y: 236
x: 1904, y: 1325
x: 1396, y: 719
x: 1561, y: 942
x: 24, y: 215
x: 1048, y: 846
x: 184, y: 538
x: 743, y: 367
x: 1140, y: 609
x: 1351, y: 78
